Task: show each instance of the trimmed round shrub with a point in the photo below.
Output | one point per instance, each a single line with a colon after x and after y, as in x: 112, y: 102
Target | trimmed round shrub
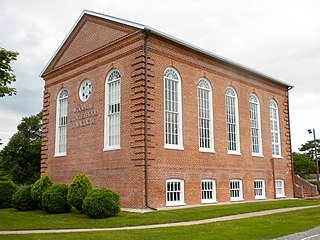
x: 22, y: 200
x: 54, y: 199
x: 78, y: 190
x: 101, y: 203
x: 39, y: 188
x: 7, y: 189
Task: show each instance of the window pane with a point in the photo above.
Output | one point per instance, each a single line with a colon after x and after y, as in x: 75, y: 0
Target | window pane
x: 113, y: 114
x: 204, y: 114
x: 61, y: 131
x: 274, y: 126
x: 231, y: 115
x: 172, y: 115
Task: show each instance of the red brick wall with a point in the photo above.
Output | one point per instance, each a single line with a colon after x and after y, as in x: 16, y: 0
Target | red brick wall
x: 123, y: 170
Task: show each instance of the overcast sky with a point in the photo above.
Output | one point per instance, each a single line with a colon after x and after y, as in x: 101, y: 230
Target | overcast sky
x: 278, y: 37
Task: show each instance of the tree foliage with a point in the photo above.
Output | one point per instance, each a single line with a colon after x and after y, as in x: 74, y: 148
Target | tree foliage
x: 303, y: 165
x: 23, y: 201
x: 54, y: 199
x: 7, y: 189
x: 21, y: 156
x: 39, y: 187
x: 308, y: 148
x: 6, y: 73
x: 101, y: 203
x: 78, y: 190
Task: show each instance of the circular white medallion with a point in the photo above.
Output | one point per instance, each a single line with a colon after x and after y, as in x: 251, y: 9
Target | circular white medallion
x: 85, y: 90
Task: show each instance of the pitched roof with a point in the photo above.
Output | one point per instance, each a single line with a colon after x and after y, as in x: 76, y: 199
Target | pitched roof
x: 168, y: 37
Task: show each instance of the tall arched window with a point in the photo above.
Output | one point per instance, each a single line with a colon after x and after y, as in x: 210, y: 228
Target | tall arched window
x: 172, y: 109
x: 205, y: 115
x: 255, y: 126
x: 232, y: 121
x: 61, y: 123
x: 275, y: 131
x: 112, y: 111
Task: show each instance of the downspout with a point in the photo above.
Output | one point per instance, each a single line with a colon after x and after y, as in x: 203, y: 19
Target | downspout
x: 292, y: 166
x: 148, y: 32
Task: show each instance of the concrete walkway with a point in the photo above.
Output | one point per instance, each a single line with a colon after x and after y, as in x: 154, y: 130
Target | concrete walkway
x: 177, y: 224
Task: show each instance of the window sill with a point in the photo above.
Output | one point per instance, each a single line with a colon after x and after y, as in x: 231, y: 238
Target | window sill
x: 60, y: 155
x: 111, y: 148
x: 209, y: 202
x: 260, y: 198
x: 278, y: 157
x: 175, y: 204
x: 277, y: 197
x: 234, y: 153
x: 206, y: 150
x: 257, y: 155
x: 236, y: 200
x: 173, y: 147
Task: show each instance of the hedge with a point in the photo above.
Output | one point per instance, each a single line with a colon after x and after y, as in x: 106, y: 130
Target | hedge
x: 101, y: 203
x: 78, y: 190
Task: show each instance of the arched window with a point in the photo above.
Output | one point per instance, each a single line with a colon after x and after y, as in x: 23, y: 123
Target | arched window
x: 255, y: 126
x: 275, y: 131
x: 172, y: 109
x: 232, y: 121
x: 61, y: 123
x: 112, y: 111
x: 205, y: 115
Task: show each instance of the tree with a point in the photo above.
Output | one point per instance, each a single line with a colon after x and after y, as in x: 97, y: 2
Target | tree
x: 6, y: 73
x: 21, y: 156
x: 308, y: 148
x: 303, y: 165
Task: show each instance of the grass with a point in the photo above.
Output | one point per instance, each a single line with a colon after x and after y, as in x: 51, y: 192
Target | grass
x: 264, y: 227
x: 10, y: 219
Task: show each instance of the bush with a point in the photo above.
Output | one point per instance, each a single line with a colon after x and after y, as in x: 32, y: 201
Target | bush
x: 101, y: 203
x: 39, y: 188
x: 78, y: 190
x: 54, y: 199
x: 23, y: 201
x: 7, y: 189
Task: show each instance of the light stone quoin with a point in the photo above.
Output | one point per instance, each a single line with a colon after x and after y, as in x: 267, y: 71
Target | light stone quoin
x: 83, y: 116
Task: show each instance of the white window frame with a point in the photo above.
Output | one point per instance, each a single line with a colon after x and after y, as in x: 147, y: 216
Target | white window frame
x: 61, y: 123
x: 279, y: 188
x: 174, y: 192
x: 113, y: 119
x: 236, y: 193
x: 275, y: 129
x: 259, y: 189
x: 205, y: 116
x: 230, y: 97
x: 208, y: 191
x: 172, y: 76
x: 255, y: 125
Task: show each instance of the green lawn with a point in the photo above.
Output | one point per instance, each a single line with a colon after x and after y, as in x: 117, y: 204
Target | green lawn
x: 264, y: 227
x: 10, y: 219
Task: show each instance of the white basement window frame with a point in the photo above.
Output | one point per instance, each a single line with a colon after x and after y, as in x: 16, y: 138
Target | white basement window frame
x: 174, y: 192
x: 259, y: 189
x: 279, y: 188
x: 208, y: 191
x: 236, y: 193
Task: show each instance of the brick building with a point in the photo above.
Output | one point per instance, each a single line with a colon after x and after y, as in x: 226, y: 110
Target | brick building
x: 160, y: 121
